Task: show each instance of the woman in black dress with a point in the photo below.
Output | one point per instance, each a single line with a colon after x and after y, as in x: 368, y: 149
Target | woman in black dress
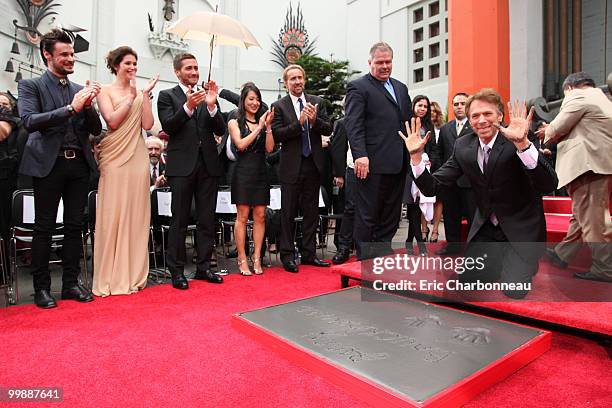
x: 435, y: 156
x: 422, y: 109
x: 251, y: 133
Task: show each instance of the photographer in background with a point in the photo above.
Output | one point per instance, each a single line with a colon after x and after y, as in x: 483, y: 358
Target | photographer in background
x: 9, y: 127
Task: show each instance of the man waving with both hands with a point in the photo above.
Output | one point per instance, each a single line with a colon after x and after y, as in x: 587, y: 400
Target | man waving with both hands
x: 508, y: 176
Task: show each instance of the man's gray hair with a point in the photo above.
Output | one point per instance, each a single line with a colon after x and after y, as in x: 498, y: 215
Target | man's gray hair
x: 382, y: 47
x: 578, y: 80
x: 154, y: 139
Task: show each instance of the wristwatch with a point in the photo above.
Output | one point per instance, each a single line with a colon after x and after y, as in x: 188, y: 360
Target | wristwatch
x: 525, y: 149
x: 71, y: 110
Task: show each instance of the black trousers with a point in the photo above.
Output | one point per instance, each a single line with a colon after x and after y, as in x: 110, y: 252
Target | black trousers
x: 503, y: 261
x: 303, y: 195
x: 68, y: 180
x: 345, y: 237
x: 338, y: 202
x: 413, y: 215
x: 458, y: 203
x: 378, y: 200
x: 201, y: 185
x: 7, y: 186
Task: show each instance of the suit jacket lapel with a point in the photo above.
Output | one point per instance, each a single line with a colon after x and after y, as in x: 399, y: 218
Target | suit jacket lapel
x: 465, y: 129
x: 473, y: 155
x: 288, y: 102
x: 182, y: 98
x: 72, y: 90
x: 51, y: 82
x: 396, y: 91
x: 378, y: 85
x: 454, y: 129
x: 180, y: 95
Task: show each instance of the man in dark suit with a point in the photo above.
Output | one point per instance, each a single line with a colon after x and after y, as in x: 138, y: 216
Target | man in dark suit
x: 458, y: 200
x: 377, y: 106
x: 508, y: 176
x: 299, y: 121
x: 157, y: 168
x: 59, y: 117
x: 344, y: 178
x: 191, y: 118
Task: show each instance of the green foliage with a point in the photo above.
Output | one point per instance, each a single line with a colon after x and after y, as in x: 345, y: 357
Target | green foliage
x: 328, y: 80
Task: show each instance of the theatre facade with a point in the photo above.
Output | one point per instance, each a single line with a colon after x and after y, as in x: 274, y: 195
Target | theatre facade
x: 523, y: 48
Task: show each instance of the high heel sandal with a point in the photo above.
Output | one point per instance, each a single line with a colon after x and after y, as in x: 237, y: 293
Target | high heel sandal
x: 243, y: 272
x: 432, y: 239
x: 257, y: 271
x: 425, y: 234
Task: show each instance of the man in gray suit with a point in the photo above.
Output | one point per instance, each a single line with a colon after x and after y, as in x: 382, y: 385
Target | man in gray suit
x: 583, y: 133
x: 59, y: 117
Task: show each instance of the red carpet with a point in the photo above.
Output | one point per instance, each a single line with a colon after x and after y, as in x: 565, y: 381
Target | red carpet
x: 162, y: 347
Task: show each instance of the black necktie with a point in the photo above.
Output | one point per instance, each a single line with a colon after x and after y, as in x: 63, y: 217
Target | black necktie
x: 305, y: 139
x: 154, y: 173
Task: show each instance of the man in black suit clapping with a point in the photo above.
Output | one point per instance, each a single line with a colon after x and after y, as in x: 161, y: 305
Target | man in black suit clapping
x: 157, y: 168
x: 299, y: 121
x: 191, y: 118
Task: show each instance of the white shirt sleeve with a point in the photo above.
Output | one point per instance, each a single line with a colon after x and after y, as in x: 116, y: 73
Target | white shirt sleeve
x: 418, y: 169
x: 529, y: 157
x: 188, y: 111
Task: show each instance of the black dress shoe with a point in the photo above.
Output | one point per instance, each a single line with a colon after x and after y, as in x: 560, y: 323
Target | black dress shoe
x: 588, y: 275
x: 44, y: 300
x: 341, y: 257
x: 179, y: 281
x: 78, y: 293
x: 290, y: 266
x: 449, y: 250
x: 208, y: 276
x: 316, y: 262
x: 554, y: 259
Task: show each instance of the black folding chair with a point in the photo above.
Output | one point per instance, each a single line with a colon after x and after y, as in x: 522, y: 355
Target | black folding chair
x: 22, y: 232
x: 92, y: 200
x: 161, y: 224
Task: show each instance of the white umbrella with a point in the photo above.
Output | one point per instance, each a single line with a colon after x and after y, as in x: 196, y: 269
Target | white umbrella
x: 218, y: 29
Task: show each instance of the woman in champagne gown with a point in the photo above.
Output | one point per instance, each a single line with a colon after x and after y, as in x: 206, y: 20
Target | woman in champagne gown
x: 121, y: 256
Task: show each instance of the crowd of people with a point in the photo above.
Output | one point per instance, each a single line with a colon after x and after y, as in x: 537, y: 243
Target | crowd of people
x: 387, y: 151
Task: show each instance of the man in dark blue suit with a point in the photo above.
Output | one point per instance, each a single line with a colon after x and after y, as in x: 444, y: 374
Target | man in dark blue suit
x: 59, y: 117
x: 376, y: 108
